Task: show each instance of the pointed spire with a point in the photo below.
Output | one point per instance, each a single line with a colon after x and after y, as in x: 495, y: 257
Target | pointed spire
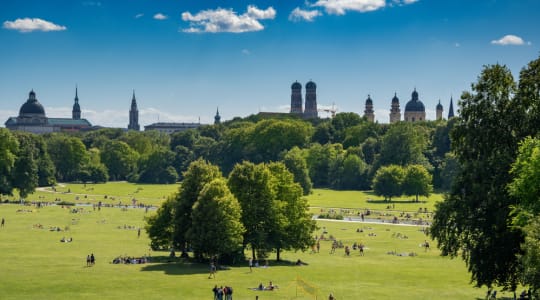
x: 451, y: 109
x: 76, y: 94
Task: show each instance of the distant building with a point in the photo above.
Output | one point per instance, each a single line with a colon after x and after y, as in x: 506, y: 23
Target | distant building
x: 169, y: 128
x: 439, y: 110
x: 415, y: 109
x: 134, y: 115
x: 217, y: 117
x: 395, y: 112
x: 296, y: 98
x: 451, y: 109
x: 32, y: 118
x: 310, y: 110
x: 368, y: 112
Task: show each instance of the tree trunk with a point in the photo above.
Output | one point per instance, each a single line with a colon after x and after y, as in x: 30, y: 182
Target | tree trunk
x: 277, y: 254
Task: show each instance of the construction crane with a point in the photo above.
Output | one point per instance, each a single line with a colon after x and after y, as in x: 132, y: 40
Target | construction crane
x: 330, y: 110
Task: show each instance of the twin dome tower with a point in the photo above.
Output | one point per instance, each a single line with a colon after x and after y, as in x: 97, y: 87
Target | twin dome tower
x: 310, y: 110
x: 414, y: 109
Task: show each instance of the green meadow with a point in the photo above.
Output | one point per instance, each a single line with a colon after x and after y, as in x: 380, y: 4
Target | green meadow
x: 34, y: 264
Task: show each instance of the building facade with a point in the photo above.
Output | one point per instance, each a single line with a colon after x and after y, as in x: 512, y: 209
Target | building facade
x: 134, y: 115
x: 32, y: 118
x: 414, y: 109
x: 395, y: 111
x: 369, y: 114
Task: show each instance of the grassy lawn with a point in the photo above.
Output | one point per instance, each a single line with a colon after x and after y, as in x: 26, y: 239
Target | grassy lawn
x: 34, y: 264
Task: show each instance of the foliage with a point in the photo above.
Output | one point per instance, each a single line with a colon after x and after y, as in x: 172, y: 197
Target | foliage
x: 199, y: 173
x: 388, y: 180
x: 252, y: 186
x: 216, y: 229
x: 474, y: 220
x: 296, y: 163
x: 417, y: 181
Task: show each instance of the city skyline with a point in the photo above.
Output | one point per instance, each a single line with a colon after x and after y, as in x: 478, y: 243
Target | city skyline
x: 186, y: 58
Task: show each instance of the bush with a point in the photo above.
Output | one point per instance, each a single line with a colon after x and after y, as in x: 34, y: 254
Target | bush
x: 66, y: 203
x: 331, y: 216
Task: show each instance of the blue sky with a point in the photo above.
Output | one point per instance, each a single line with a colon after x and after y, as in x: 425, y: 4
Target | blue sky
x: 185, y: 58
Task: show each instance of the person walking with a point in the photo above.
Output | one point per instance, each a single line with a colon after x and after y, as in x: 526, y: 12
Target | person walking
x: 3, y: 222
x: 92, y: 259
x: 250, y: 261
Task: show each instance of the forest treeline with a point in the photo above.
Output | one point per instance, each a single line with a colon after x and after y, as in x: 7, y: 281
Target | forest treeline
x: 342, y: 153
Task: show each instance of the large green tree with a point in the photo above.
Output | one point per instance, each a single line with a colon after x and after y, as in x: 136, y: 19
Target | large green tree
x: 252, y: 186
x: 295, y: 225
x: 474, y: 219
x: 387, y: 181
x: 296, y: 163
x: 68, y: 154
x: 119, y: 158
x: 417, y: 181
x: 199, y: 173
x: 160, y: 226
x: 216, y: 228
x: 403, y: 144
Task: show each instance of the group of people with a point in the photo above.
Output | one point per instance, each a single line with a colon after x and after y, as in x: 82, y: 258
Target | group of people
x: 130, y: 260
x: 64, y: 240
x: 269, y: 287
x: 90, y: 260
x: 222, y: 292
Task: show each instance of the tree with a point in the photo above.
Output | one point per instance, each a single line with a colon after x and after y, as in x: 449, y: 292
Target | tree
x: 402, y: 145
x: 530, y: 260
x: 351, y: 173
x: 216, y: 227
x: 474, y: 219
x: 387, y: 182
x: 68, y: 154
x: 155, y: 167
x: 252, y: 186
x: 271, y: 137
x: 199, y: 173
x: 25, y: 177
x: 319, y: 159
x: 295, y: 225
x: 417, y: 181
x: 297, y: 165
x: 119, y: 158
x: 161, y: 226
x: 9, y: 146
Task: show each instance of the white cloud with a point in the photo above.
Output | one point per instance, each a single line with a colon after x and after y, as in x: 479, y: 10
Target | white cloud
x: 227, y: 20
x: 160, y: 16
x: 29, y: 25
x: 457, y: 45
x: 246, y: 52
x: 339, y: 7
x: 409, y: 1
x: 304, y: 15
x: 139, y: 16
x: 509, y: 39
x: 91, y: 3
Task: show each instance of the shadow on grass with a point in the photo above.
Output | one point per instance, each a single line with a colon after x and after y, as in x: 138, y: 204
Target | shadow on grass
x: 175, y: 266
x: 382, y: 201
x: 182, y: 266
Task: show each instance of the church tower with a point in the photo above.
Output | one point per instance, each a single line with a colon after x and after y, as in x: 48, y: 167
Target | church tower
x: 134, y: 115
x: 451, y: 109
x: 439, y: 110
x: 217, y: 117
x: 368, y: 112
x: 296, y: 98
x: 76, y: 112
x: 395, y: 112
x: 310, y: 111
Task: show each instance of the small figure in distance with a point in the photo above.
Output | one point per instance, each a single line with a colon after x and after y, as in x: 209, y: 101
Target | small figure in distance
x: 331, y: 297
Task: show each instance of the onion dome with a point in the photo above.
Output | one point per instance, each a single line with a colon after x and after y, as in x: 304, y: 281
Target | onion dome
x: 439, y: 106
x: 32, y: 107
x: 414, y: 104
x: 296, y: 86
x: 311, y: 85
x: 395, y: 100
x: 369, y: 101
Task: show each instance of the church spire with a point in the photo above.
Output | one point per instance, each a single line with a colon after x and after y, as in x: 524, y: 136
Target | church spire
x: 134, y: 115
x: 76, y: 112
x: 217, y: 117
x: 451, y: 109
